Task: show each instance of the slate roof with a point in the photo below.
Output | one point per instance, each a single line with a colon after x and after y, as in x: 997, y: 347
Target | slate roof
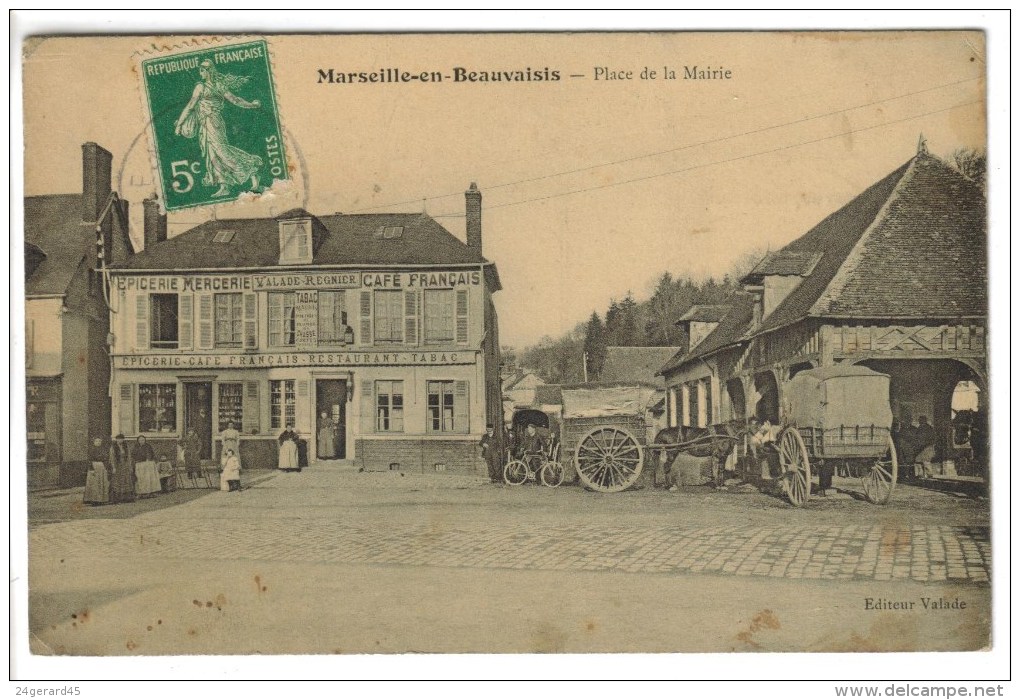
x: 635, y: 364
x: 913, y: 245
x: 53, y: 225
x: 706, y: 313
x: 350, y: 239
x: 731, y: 329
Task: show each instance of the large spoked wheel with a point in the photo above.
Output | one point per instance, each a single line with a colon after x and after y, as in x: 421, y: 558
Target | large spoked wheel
x: 552, y: 474
x: 793, y: 458
x: 608, y: 459
x: 881, y: 480
x: 515, y: 472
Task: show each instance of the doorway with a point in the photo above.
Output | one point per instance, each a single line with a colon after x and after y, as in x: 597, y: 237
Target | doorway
x: 198, y: 414
x: 330, y: 419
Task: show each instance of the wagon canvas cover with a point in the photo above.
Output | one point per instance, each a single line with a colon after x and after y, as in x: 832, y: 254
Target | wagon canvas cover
x: 839, y: 396
x: 606, y: 401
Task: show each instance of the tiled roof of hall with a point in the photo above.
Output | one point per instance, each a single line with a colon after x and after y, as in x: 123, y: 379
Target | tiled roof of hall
x: 913, y: 245
x: 347, y: 240
x: 730, y: 331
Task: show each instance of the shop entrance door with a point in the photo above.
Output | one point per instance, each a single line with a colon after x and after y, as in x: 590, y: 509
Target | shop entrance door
x: 330, y: 419
x: 198, y: 414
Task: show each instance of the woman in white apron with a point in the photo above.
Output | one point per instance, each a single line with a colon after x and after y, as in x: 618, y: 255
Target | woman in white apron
x: 288, y: 449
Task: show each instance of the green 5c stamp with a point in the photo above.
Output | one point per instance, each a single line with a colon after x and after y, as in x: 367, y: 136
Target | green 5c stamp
x: 215, y: 124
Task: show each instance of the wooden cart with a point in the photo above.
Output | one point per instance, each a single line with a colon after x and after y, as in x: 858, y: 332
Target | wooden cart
x: 837, y: 417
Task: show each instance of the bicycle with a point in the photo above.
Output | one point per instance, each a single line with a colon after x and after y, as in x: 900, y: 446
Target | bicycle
x: 537, y: 466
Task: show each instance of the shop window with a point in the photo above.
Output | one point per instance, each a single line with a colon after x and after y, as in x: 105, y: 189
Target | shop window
x: 229, y: 322
x: 389, y: 316
x: 332, y: 318
x: 439, y: 316
x: 282, y: 403
x: 389, y: 406
x: 281, y: 318
x: 163, y: 320
x: 231, y: 406
x: 157, y: 408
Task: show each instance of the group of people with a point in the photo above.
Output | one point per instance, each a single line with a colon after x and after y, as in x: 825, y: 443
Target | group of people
x: 915, y: 445
x: 120, y: 472
x: 113, y: 476
x: 531, y: 442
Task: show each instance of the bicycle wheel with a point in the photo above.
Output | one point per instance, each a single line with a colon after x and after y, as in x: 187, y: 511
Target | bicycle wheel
x: 552, y: 474
x: 515, y: 472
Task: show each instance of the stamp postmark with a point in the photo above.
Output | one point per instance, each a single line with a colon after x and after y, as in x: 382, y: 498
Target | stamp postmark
x: 215, y: 123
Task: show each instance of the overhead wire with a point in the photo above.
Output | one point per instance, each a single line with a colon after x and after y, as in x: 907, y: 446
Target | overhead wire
x: 676, y: 149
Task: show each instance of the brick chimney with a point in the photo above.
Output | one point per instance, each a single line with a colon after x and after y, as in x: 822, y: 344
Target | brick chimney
x: 97, y: 163
x: 154, y: 222
x: 473, y: 211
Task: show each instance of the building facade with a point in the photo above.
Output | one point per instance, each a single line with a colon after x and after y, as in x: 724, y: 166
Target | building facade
x: 895, y: 280
x: 67, y: 366
x: 374, y: 336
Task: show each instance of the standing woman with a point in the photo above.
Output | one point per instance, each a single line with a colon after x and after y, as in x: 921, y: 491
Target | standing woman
x: 146, y: 478
x: 97, y: 482
x: 326, y: 444
x: 288, y: 449
x: 123, y: 471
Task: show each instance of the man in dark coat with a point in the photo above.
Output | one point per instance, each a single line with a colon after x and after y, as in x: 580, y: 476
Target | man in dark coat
x: 492, y: 453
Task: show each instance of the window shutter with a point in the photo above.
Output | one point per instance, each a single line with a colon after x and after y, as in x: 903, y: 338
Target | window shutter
x: 185, y: 322
x: 367, y: 406
x: 462, y: 317
x: 250, y: 409
x: 366, y: 318
x: 411, y: 318
x: 251, y: 323
x: 127, y: 409
x: 461, y: 407
x: 141, y: 322
x: 205, y: 321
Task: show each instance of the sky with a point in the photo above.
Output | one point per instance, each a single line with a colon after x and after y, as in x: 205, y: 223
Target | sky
x: 591, y: 187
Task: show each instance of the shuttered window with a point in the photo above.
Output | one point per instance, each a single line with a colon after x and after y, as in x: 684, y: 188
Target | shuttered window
x: 251, y: 324
x: 186, y: 331
x: 439, y: 316
x: 365, y: 316
x: 205, y: 321
x: 164, y: 324
x: 411, y: 318
x: 282, y: 318
x: 332, y: 318
x: 229, y: 320
x: 389, y: 316
x: 251, y: 408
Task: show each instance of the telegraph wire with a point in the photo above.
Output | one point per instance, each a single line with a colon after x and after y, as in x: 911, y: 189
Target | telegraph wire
x: 718, y: 162
x: 672, y: 150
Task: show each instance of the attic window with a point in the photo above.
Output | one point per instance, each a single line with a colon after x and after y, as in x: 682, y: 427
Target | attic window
x: 223, y: 237
x: 295, y: 241
x: 393, y: 232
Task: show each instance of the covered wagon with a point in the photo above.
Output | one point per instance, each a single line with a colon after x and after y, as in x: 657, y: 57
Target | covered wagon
x: 837, y: 416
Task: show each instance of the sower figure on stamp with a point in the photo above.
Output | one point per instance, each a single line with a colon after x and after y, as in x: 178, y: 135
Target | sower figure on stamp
x: 225, y: 165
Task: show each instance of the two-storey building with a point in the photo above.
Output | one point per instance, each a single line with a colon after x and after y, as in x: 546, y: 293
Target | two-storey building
x: 382, y: 325
x: 68, y: 237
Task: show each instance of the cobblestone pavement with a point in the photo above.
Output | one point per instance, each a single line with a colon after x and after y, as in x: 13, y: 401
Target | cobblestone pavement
x: 215, y: 528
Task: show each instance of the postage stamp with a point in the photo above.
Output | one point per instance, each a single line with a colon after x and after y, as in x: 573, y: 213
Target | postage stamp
x: 215, y: 123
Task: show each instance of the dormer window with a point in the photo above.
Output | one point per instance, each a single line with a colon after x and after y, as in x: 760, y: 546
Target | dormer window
x: 393, y: 232
x: 295, y: 242
x: 225, y: 236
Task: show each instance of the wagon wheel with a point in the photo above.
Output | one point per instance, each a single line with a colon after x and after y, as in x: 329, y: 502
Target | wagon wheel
x: 515, y: 472
x: 793, y: 458
x: 881, y: 480
x: 608, y: 459
x: 551, y: 474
